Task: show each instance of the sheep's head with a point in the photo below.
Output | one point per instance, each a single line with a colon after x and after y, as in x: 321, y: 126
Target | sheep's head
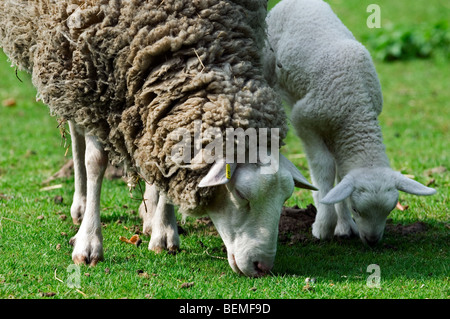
x: 372, y: 194
x: 246, y: 210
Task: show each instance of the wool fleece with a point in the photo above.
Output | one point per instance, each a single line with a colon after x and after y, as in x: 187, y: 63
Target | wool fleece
x: 131, y: 72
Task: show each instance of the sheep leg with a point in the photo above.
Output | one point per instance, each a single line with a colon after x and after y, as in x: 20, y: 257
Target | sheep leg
x: 148, y: 207
x: 78, y: 153
x: 346, y: 226
x: 159, y: 220
x: 322, y: 170
x: 88, y: 242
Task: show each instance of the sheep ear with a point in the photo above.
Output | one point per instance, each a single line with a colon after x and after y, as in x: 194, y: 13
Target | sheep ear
x: 299, y: 180
x: 410, y: 186
x: 217, y: 174
x: 340, y: 192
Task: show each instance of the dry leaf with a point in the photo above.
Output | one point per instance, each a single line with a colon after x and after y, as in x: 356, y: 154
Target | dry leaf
x: 401, y: 207
x: 9, y: 102
x: 436, y: 170
x: 134, y: 240
x: 187, y: 285
x: 308, y: 287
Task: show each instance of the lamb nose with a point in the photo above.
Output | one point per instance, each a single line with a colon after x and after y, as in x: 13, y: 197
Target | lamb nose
x: 371, y: 241
x: 262, y: 268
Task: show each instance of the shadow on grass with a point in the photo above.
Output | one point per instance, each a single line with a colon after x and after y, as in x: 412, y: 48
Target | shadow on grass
x: 412, y: 255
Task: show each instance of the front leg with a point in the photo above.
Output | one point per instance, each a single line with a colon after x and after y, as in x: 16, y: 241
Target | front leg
x: 78, y: 153
x: 346, y: 227
x: 323, y: 170
x: 88, y: 242
x: 159, y: 220
x: 148, y: 207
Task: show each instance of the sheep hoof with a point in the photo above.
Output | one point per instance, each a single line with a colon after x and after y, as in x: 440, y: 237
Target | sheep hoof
x: 159, y: 244
x: 87, y: 250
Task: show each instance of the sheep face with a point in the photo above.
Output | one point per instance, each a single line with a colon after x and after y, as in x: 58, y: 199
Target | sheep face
x: 246, y: 212
x: 372, y: 193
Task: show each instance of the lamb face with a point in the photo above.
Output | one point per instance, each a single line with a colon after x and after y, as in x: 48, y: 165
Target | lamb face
x: 246, y: 212
x: 371, y: 194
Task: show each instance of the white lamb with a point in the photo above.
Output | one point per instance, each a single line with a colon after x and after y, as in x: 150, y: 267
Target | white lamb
x: 329, y: 80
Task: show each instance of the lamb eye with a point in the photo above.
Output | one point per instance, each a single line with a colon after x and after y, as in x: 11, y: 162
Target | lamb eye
x: 356, y: 212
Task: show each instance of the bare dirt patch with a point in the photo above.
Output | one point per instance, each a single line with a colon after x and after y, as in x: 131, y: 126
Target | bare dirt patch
x: 295, y: 224
x: 400, y: 229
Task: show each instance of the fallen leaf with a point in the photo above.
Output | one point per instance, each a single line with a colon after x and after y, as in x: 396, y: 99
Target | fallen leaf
x: 134, y: 240
x: 9, y: 102
x: 144, y: 275
x: 308, y: 287
x: 187, y: 285
x: 5, y: 197
x: 402, y: 207
x: 58, y: 199
x: 436, y: 170
x: 48, y: 294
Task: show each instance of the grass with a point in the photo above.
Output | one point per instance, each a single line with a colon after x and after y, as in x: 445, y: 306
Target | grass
x: 34, y: 249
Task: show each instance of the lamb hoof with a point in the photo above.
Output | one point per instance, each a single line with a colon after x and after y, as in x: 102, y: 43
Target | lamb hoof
x: 322, y: 232
x: 346, y: 231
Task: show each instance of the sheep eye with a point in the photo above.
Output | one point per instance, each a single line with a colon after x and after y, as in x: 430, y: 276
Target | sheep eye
x: 356, y: 212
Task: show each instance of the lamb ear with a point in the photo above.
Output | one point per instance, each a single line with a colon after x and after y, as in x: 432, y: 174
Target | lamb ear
x: 340, y: 192
x: 299, y: 180
x: 217, y: 174
x: 410, y: 186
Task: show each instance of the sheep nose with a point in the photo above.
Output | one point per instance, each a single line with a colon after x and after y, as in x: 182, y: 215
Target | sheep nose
x: 262, y: 268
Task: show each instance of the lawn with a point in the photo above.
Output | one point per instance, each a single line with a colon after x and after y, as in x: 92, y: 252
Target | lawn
x: 35, y: 223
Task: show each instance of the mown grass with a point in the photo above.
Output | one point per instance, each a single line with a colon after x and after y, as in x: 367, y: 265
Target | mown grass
x: 35, y: 253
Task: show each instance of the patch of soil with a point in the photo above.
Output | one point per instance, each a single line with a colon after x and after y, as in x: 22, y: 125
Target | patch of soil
x: 295, y: 224
x: 414, y: 228
x: 66, y: 171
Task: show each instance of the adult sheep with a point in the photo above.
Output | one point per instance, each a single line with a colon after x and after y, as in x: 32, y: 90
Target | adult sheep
x: 329, y: 80
x: 125, y: 75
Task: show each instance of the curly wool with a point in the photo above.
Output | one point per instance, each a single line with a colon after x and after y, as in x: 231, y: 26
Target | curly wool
x: 131, y: 72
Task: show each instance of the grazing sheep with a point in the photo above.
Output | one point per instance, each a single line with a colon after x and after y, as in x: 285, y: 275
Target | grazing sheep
x: 126, y: 75
x: 330, y: 82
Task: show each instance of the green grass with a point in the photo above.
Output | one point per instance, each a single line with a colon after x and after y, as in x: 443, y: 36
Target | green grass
x: 415, y: 124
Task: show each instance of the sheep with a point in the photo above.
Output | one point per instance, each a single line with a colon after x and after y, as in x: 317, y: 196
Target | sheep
x: 126, y: 75
x: 330, y: 83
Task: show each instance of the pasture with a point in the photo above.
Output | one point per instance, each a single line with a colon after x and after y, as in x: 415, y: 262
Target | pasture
x: 411, y: 262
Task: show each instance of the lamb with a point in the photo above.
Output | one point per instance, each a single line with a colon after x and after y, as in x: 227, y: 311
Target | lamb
x: 329, y: 80
x: 126, y: 75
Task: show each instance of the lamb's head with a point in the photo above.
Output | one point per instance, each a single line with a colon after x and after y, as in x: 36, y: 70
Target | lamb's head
x: 246, y: 210
x: 372, y: 194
